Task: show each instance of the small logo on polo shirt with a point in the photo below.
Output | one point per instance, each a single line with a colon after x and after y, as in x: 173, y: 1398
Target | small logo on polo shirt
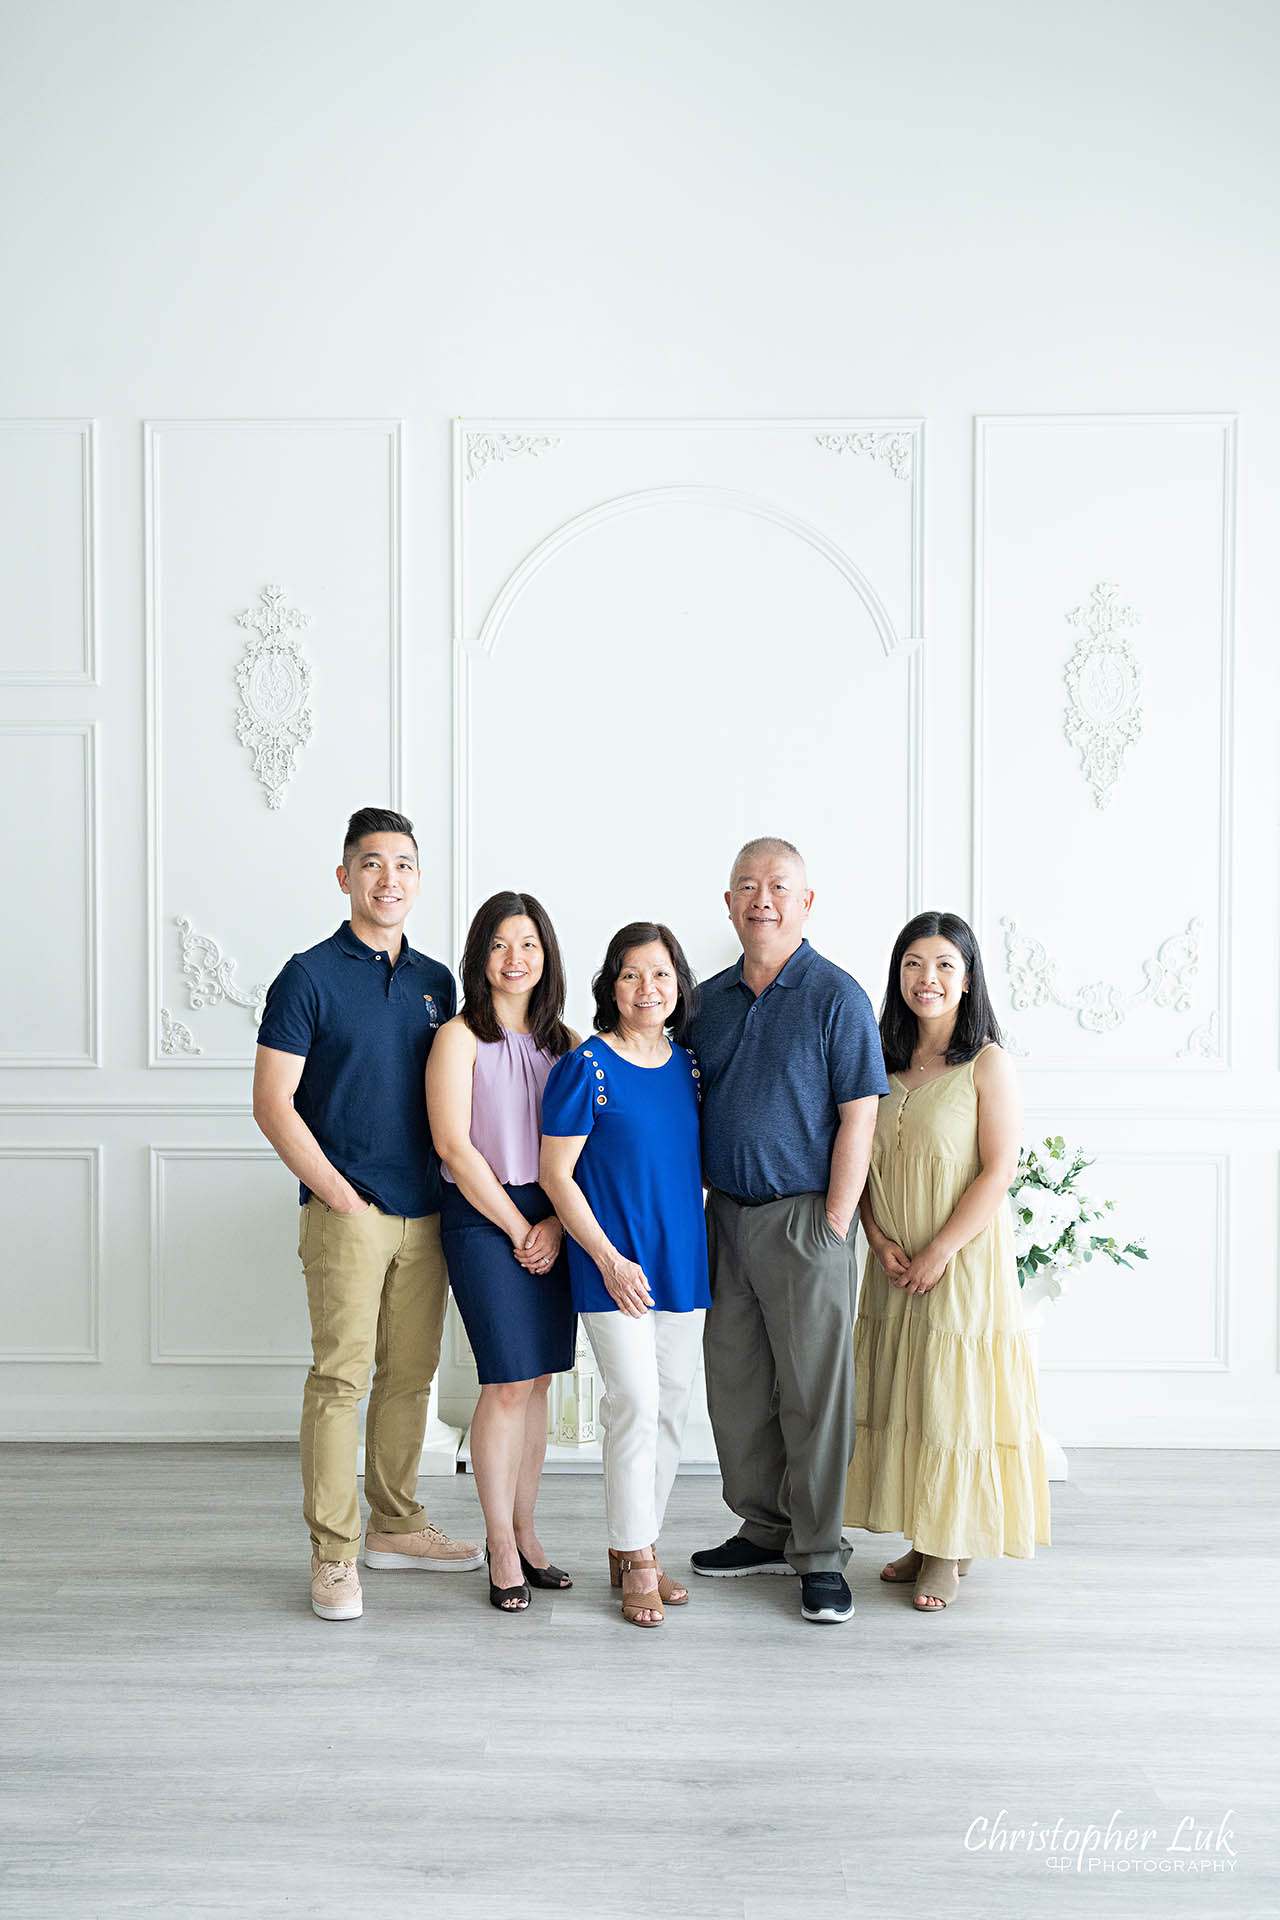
x: 432, y: 1015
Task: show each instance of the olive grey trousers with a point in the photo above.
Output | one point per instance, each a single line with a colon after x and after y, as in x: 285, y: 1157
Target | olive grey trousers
x: 778, y: 1348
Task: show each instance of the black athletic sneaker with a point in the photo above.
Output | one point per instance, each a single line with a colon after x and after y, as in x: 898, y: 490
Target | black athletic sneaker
x: 825, y: 1596
x: 738, y: 1556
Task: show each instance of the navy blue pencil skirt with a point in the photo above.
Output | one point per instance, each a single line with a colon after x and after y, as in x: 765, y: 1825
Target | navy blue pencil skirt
x: 519, y: 1324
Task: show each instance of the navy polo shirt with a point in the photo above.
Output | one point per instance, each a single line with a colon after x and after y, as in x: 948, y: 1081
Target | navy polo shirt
x: 775, y: 1068
x: 365, y: 1029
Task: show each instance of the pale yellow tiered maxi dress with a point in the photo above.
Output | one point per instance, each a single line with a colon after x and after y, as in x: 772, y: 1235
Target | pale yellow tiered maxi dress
x: 947, y: 1449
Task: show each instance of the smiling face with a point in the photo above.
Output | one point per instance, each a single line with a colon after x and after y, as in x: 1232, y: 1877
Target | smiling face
x: 932, y: 979
x: 646, y: 989
x: 769, y: 900
x: 382, y: 882
x: 514, y: 965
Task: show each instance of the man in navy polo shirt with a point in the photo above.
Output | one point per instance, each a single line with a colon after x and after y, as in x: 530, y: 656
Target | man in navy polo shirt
x: 339, y: 1090
x: 792, y: 1074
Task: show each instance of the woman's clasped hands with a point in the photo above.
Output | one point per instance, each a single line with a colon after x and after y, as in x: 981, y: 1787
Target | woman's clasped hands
x: 538, y: 1250
x: 920, y: 1275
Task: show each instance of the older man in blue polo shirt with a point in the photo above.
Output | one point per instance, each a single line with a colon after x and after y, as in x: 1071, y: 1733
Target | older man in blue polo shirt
x: 339, y: 1090
x: 792, y: 1074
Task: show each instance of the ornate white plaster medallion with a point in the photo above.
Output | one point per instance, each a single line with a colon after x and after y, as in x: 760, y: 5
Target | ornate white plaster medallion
x: 175, y: 1037
x: 894, y: 449
x: 1098, y: 1006
x: 208, y: 971
x: 274, y: 681
x: 485, y: 449
x: 1104, y: 683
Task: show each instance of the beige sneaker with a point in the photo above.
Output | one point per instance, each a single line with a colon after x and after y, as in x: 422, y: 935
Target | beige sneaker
x: 335, y: 1589
x: 429, y: 1549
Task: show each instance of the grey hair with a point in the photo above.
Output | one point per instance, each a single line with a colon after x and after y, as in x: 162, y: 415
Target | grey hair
x: 768, y: 843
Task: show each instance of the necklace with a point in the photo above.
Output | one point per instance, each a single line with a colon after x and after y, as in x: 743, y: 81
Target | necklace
x: 924, y: 1064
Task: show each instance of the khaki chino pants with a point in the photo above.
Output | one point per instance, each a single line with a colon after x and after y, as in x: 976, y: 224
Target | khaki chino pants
x: 377, y: 1288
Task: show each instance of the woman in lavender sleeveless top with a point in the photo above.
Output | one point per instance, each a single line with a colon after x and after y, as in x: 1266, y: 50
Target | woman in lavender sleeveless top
x: 502, y: 1241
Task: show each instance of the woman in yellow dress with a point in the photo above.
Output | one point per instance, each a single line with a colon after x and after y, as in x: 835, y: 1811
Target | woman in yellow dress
x: 947, y: 1449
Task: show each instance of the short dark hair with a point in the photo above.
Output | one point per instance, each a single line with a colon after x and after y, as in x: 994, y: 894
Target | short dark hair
x: 642, y: 933
x: 976, y: 1023
x: 367, y: 820
x: 546, y: 1002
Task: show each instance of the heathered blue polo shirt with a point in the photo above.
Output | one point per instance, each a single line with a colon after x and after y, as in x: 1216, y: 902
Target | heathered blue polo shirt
x: 775, y: 1067
x: 365, y: 1029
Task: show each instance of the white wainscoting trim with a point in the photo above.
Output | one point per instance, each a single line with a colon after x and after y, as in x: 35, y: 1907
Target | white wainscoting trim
x: 88, y: 732
x: 983, y: 427
x: 727, y: 498
x: 93, y: 1278
x: 152, y: 434
x: 1219, y: 1360
x: 87, y: 674
x: 231, y: 1357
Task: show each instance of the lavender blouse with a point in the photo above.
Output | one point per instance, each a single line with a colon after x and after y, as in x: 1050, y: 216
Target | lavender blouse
x: 506, y: 1106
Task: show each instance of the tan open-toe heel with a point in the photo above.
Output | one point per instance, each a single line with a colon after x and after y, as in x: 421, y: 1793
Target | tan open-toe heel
x: 673, y: 1594
x: 650, y: 1601
x: 937, y: 1580
x: 901, y: 1573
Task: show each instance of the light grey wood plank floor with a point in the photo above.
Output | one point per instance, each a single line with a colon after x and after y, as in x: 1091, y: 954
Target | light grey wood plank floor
x: 181, y: 1736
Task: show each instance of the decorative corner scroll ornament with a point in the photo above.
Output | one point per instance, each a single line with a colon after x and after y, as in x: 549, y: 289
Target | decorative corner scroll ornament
x: 1098, y: 1006
x: 274, y: 681
x: 485, y: 449
x: 175, y: 1037
x: 208, y: 972
x: 1013, y: 1046
x: 894, y: 449
x: 1104, y: 682
x: 1203, y: 1042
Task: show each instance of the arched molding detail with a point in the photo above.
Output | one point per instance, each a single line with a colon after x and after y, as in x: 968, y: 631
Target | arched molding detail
x: 565, y: 535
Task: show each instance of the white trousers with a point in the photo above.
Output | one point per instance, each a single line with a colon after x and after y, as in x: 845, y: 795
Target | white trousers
x: 648, y: 1366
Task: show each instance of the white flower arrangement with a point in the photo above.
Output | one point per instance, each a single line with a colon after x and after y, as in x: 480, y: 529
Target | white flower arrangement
x: 1052, y: 1216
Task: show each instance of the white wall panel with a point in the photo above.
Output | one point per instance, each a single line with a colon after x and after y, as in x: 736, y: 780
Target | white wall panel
x: 503, y: 233
x: 226, y: 1285
x: 1105, y: 901
x: 695, y: 633
x: 1165, y: 1315
x: 313, y: 509
x: 49, y: 954
x: 47, y: 561
x: 51, y: 1204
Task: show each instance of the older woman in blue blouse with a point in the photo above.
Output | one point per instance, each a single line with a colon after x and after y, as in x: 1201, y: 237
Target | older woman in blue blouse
x: 621, y: 1165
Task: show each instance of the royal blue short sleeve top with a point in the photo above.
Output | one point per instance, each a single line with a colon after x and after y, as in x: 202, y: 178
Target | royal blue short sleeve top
x: 640, y: 1169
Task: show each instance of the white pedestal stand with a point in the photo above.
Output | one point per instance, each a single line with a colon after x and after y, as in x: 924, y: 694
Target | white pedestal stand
x: 1041, y: 1289
x: 439, y: 1444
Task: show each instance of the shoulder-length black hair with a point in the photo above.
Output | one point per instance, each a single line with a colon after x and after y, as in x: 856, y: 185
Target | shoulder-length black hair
x: 976, y: 1024
x: 642, y: 933
x: 546, y: 1002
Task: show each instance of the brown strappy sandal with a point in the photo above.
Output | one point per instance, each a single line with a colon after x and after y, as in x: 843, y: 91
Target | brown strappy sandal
x: 673, y: 1594
x: 650, y: 1601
